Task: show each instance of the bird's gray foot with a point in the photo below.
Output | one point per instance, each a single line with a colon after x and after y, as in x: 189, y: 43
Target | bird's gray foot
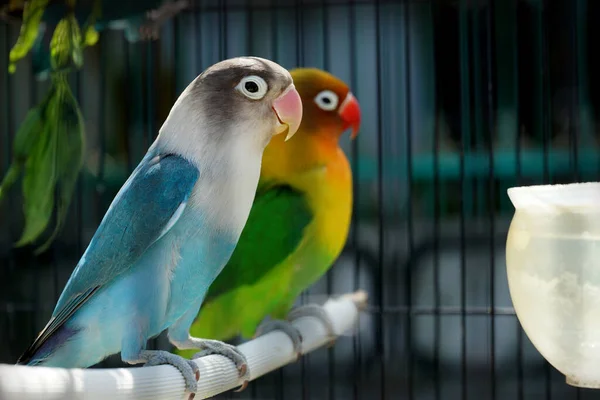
x: 156, y: 18
x: 314, y: 310
x: 188, y: 368
x: 217, y: 347
x: 287, y: 328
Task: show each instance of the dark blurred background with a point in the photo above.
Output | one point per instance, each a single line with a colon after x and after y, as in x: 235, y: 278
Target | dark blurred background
x: 460, y: 99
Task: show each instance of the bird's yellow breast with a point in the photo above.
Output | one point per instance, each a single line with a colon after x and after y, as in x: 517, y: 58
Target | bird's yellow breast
x: 318, y: 168
x: 329, y: 193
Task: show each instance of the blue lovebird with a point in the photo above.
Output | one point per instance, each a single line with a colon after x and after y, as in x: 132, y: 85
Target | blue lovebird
x: 173, y: 225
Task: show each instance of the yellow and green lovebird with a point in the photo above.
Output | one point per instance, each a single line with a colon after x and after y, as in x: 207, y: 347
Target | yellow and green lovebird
x: 298, y: 224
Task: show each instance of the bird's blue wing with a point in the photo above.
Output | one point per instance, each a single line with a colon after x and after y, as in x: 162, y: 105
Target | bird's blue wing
x: 145, y: 208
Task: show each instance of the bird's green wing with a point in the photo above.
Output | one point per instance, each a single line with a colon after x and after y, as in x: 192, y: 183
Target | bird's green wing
x: 250, y: 284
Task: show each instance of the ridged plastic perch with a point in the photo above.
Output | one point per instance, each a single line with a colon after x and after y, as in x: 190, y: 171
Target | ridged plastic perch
x: 217, y: 374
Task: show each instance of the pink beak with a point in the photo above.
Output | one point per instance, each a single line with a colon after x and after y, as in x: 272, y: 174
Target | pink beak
x: 350, y: 113
x: 288, y: 108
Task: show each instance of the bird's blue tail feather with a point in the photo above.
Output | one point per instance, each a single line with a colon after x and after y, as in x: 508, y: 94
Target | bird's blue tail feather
x: 35, y: 356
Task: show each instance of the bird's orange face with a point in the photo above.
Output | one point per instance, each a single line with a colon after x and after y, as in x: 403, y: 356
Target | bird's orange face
x: 329, y: 106
x: 329, y: 109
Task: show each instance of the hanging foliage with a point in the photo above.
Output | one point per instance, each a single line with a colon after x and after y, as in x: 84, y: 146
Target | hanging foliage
x: 49, y: 144
x: 48, y: 147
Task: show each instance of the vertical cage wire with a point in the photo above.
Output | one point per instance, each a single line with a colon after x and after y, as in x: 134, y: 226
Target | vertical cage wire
x: 102, y: 133
x: 465, y: 126
x: 274, y: 30
x: 33, y: 99
x: 380, y: 325
x: 436, y: 249
x: 546, y: 108
x: 299, y: 36
x: 150, y: 75
x: 197, y: 33
x: 7, y: 145
x: 250, y: 51
x: 573, y: 105
x: 356, y: 344
x: 79, y: 186
x: 328, y: 275
x: 129, y: 99
x: 222, y: 29
x: 409, y: 213
x: 491, y: 210
x: 78, y: 193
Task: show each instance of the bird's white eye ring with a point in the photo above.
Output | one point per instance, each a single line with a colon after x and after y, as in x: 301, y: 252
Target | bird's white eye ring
x: 327, y: 100
x: 253, y: 87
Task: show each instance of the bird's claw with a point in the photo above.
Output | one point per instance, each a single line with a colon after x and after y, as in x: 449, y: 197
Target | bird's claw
x: 243, y: 387
x: 285, y: 326
x: 314, y: 310
x: 192, y: 395
x: 188, y: 368
x: 210, y: 347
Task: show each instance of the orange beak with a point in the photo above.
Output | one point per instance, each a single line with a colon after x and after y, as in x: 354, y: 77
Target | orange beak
x: 350, y: 113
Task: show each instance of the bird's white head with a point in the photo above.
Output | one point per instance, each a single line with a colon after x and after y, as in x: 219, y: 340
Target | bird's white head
x: 245, y: 99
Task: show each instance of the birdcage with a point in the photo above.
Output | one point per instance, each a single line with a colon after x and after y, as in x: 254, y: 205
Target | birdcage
x: 460, y: 101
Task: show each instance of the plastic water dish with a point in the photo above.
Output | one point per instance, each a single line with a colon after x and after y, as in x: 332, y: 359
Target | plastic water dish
x: 553, y: 266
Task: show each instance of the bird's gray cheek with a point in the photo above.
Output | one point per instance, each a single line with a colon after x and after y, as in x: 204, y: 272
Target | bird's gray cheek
x: 264, y: 115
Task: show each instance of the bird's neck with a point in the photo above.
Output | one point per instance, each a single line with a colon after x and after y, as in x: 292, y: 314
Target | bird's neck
x: 300, y: 154
x: 229, y: 165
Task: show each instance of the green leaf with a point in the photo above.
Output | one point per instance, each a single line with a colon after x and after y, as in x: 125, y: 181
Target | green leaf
x: 24, y: 141
x: 69, y: 156
x: 40, y: 175
x: 90, y: 34
x: 76, y: 44
x: 10, y: 178
x: 38, y: 185
x: 65, y: 45
x: 29, y: 130
x: 32, y: 16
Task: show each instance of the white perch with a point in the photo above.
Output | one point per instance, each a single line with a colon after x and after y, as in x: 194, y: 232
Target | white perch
x: 217, y: 373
